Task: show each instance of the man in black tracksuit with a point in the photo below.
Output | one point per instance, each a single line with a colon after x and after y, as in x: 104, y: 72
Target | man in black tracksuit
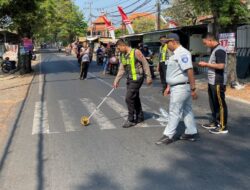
x: 217, y: 78
x: 134, y: 64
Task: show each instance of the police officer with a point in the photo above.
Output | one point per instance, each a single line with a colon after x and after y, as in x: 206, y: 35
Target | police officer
x: 134, y: 64
x: 161, y: 67
x: 181, y: 84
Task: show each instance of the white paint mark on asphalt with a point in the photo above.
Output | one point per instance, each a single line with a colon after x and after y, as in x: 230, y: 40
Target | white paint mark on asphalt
x: 99, y: 117
x: 40, y: 121
x: 67, y: 115
x: 121, y: 110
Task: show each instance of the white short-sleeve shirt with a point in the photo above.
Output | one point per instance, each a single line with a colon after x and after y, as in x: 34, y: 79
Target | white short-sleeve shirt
x: 177, y: 65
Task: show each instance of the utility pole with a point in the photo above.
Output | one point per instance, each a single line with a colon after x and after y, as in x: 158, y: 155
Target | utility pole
x: 158, y: 17
x: 90, y: 18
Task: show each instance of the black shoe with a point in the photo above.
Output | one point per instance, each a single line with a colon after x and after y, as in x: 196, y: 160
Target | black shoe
x: 139, y: 120
x: 219, y: 130
x: 211, y: 125
x: 164, y: 140
x: 189, y: 137
x: 128, y: 124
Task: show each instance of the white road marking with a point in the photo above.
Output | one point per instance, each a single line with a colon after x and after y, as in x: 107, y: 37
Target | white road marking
x: 40, y: 121
x: 67, y: 115
x: 99, y: 117
x: 121, y: 110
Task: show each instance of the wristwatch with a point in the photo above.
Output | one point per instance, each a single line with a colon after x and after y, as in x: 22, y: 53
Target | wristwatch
x: 193, y: 89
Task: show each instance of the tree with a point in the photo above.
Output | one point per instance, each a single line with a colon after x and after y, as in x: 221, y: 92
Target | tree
x: 143, y: 25
x: 227, y: 15
x: 183, y: 13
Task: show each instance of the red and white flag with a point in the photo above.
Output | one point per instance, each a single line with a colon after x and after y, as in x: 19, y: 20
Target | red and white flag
x: 109, y: 26
x: 126, y: 21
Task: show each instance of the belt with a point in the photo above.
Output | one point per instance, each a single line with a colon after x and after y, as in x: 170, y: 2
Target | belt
x: 181, y: 83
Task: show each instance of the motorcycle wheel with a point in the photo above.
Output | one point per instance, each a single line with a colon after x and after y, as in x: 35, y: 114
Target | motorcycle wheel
x: 5, y: 68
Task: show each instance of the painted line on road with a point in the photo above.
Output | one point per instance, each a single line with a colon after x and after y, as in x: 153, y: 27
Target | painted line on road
x: 40, y: 121
x: 99, y: 117
x: 121, y: 110
x: 67, y: 115
x: 148, y: 109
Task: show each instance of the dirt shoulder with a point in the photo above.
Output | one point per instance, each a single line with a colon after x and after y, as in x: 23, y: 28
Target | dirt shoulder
x: 242, y: 95
x: 13, y: 90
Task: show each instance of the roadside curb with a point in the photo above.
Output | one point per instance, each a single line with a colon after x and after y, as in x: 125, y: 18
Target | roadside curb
x: 230, y: 98
x: 13, y: 126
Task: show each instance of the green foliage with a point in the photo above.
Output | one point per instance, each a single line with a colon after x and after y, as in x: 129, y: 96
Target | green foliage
x: 183, y: 13
x: 45, y: 20
x: 143, y: 24
x: 226, y: 12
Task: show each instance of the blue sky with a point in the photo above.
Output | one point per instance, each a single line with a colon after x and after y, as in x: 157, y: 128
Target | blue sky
x: 110, y: 6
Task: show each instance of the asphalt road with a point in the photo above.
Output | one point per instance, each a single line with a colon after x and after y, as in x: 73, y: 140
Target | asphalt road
x: 49, y: 149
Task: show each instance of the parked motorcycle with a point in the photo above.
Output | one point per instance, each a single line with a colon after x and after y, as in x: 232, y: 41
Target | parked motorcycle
x: 7, y: 66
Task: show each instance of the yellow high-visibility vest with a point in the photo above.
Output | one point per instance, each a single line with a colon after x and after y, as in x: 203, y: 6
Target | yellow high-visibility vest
x: 130, y: 62
x: 163, y: 53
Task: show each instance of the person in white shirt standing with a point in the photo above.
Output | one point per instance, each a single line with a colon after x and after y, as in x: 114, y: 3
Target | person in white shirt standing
x: 181, y: 86
x: 84, y: 53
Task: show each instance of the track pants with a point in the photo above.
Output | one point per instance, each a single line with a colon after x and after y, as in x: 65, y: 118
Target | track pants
x: 218, y: 106
x: 133, y: 100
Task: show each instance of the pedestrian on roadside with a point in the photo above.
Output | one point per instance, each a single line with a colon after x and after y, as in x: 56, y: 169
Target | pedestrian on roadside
x: 181, y: 85
x: 217, y: 78
x: 134, y: 64
x: 84, y: 53
x: 162, y: 67
x: 148, y: 54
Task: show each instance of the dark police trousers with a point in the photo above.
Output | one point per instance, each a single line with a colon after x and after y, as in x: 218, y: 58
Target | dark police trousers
x: 84, y: 69
x: 133, y: 100
x: 162, y: 72
x: 216, y: 94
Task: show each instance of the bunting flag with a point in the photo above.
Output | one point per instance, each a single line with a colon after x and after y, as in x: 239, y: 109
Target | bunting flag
x: 126, y: 21
x: 109, y: 26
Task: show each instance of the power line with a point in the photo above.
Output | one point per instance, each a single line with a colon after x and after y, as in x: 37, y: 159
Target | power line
x: 135, y: 9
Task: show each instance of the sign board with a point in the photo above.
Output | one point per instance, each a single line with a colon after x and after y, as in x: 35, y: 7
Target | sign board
x: 227, y: 40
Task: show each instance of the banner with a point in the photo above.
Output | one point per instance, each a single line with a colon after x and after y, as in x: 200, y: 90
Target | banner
x: 227, y: 40
x: 126, y: 21
x: 109, y: 26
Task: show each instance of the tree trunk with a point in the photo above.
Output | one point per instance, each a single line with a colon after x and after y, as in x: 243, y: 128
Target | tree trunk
x: 231, y: 68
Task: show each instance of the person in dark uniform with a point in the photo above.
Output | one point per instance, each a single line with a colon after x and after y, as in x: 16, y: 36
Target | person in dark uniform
x: 217, y: 78
x: 161, y: 67
x: 134, y: 64
x: 148, y: 54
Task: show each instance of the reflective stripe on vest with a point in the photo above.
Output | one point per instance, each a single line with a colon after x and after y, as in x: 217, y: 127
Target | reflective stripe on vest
x: 130, y: 62
x: 164, y: 52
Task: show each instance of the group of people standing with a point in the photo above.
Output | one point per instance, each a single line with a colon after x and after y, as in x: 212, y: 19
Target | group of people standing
x: 177, y: 77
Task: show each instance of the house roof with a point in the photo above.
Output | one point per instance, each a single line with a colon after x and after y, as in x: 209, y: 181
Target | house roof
x: 99, y: 20
x: 134, y: 16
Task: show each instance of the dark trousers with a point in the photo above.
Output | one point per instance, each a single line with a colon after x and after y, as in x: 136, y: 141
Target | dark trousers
x: 218, y: 106
x: 133, y: 100
x: 84, y: 69
x: 162, y: 72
